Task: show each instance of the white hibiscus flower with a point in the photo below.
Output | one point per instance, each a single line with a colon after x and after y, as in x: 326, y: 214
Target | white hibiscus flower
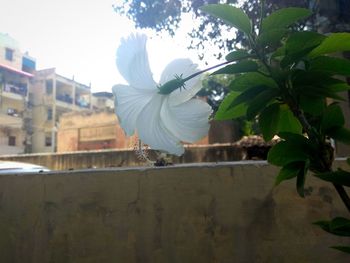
x: 163, y: 122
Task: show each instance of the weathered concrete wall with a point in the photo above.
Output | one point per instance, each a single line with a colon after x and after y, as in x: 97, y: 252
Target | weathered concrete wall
x: 118, y: 158
x: 198, y: 213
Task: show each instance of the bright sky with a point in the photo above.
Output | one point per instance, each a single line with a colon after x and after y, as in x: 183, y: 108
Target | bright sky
x: 80, y: 38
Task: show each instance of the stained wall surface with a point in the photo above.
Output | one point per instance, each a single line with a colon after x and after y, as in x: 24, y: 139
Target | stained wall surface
x: 191, y: 213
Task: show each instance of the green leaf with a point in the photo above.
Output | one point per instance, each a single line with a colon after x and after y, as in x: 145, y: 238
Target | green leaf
x: 224, y: 113
x: 299, y: 44
x: 344, y: 249
x: 312, y: 105
x: 260, y: 102
x: 339, y: 177
x: 239, y: 67
x: 250, y: 80
x: 268, y: 121
x: 231, y: 15
x: 288, y: 122
x: 284, y: 18
x: 280, y: 52
x: 312, y: 78
x: 286, y: 152
x: 339, y: 87
x: 317, y: 84
x: 247, y: 95
x: 331, y: 65
x: 301, y: 176
x: 237, y: 55
x: 335, y: 42
x: 297, y: 139
x: 289, y: 171
x: 271, y: 38
x: 340, y: 134
x: 332, y: 117
x: 339, y: 226
x: 319, y: 91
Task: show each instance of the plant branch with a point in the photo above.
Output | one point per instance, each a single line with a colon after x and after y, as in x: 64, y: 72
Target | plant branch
x: 343, y: 195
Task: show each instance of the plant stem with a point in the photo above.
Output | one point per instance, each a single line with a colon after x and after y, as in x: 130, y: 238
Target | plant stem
x: 205, y: 70
x: 343, y: 195
x: 326, y: 161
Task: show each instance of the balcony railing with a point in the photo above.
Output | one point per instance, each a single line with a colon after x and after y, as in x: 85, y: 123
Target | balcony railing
x: 65, y: 98
x: 11, y: 88
x: 82, y: 103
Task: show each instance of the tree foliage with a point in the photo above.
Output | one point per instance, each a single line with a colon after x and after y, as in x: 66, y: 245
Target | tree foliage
x: 164, y: 15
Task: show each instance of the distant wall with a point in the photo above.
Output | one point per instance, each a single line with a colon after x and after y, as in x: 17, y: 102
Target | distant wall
x: 118, y: 158
x: 199, y: 213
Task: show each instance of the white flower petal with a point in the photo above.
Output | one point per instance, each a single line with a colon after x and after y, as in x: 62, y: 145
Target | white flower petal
x: 188, y: 121
x: 129, y: 102
x: 184, y: 67
x: 132, y: 62
x: 152, y: 131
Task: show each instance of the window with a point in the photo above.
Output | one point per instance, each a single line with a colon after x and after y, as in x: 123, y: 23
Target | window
x: 49, y: 86
x: 12, y: 140
x: 12, y: 112
x: 49, y: 114
x: 9, y: 54
x: 48, y: 141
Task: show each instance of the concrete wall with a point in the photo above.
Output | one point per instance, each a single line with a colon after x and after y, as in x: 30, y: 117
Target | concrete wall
x: 199, y: 213
x: 118, y: 158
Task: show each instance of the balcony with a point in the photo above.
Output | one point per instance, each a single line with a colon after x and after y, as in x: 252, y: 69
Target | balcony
x: 82, y: 103
x: 14, y: 92
x: 64, y: 100
x: 11, y: 119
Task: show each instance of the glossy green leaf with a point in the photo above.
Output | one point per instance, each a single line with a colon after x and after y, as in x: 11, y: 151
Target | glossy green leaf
x: 312, y: 78
x: 344, y: 249
x: 231, y: 15
x: 339, y: 226
x: 250, y: 80
x: 332, y: 117
x: 331, y: 65
x: 237, y: 55
x: 288, y: 122
x: 289, y: 171
x: 339, y: 177
x: 297, y: 139
x: 335, y: 42
x: 247, y: 95
x: 286, y: 152
x: 340, y: 134
x: 226, y: 113
x: 261, y: 101
x: 319, y: 91
x: 272, y: 37
x: 312, y: 105
x: 284, y: 18
x: 268, y: 121
x: 280, y: 52
x: 299, y: 44
x: 239, y: 67
x: 339, y: 87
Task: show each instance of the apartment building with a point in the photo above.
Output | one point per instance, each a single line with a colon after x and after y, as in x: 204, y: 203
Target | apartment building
x: 16, y: 75
x: 53, y: 95
x: 92, y: 130
x: 102, y: 100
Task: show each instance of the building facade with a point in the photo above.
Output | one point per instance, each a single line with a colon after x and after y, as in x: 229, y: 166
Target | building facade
x: 91, y: 130
x: 16, y: 75
x: 53, y: 95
